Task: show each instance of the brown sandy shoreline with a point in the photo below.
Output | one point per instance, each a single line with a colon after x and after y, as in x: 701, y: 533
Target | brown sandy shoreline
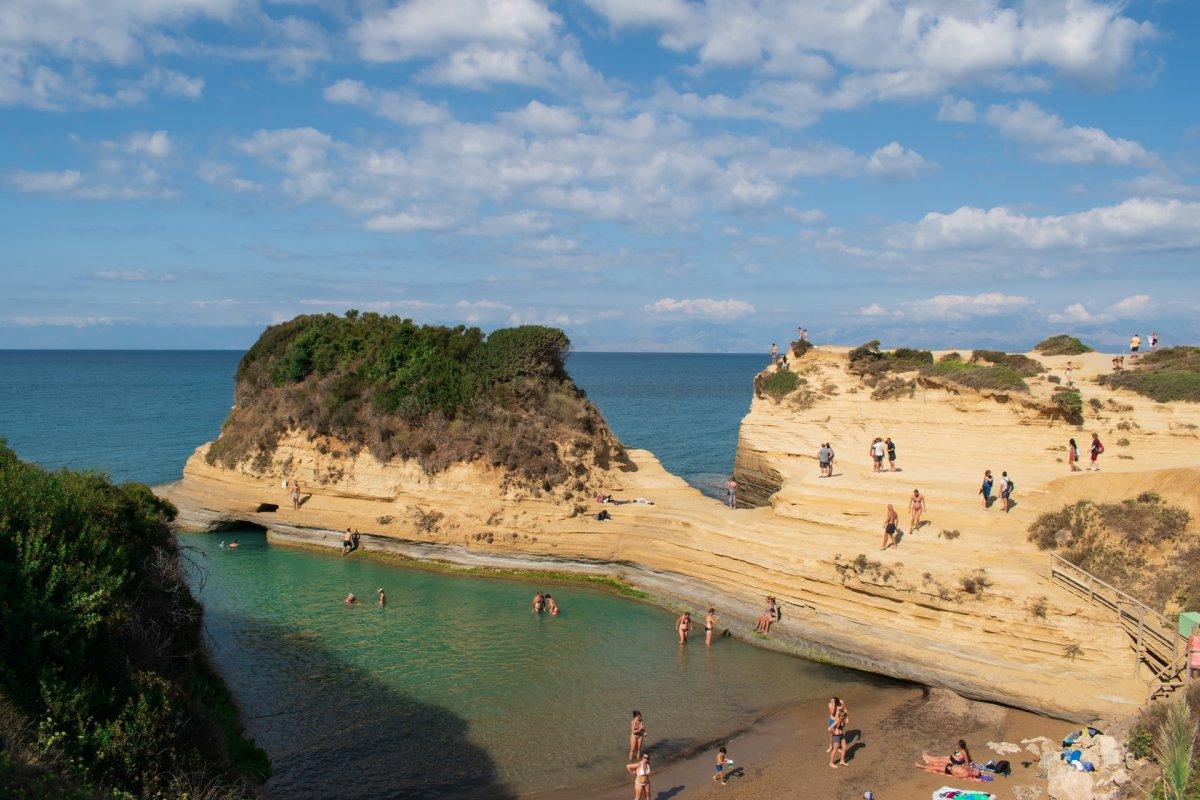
x: 782, y: 755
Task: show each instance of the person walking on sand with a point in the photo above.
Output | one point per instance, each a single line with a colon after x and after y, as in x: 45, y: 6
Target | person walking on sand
x: 837, y: 731
x: 683, y: 625
x: 1006, y: 490
x: 731, y: 492
x: 711, y: 620
x: 889, y: 527
x: 295, y: 495
x: 916, y: 507
x: 637, y: 735
x: 986, y: 488
x: 891, y: 453
x: 1073, y: 456
x: 539, y: 601
x: 723, y: 760
x: 641, y: 777
x: 1096, y: 449
x: 1069, y: 373
x: 877, y: 452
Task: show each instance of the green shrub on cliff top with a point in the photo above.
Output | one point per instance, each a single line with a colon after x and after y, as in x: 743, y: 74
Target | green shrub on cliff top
x: 1062, y: 345
x: 1168, y: 375
x: 100, y: 637
x: 974, y: 375
x: 780, y: 383
x: 1023, y: 365
x: 435, y: 394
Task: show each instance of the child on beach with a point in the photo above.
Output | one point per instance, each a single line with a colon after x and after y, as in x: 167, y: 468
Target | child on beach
x: 837, y: 728
x: 723, y: 759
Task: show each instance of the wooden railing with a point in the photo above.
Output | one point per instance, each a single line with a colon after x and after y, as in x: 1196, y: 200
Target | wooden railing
x: 1156, y: 642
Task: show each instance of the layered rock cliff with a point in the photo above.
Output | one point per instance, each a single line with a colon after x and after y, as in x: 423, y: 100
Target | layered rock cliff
x: 964, y: 602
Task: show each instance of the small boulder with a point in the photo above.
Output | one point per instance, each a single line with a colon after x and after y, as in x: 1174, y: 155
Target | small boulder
x: 1107, y: 753
x: 1120, y: 777
x: 1070, y: 784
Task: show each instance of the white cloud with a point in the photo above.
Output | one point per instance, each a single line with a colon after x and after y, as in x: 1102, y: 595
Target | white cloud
x: 46, y: 182
x: 955, y: 109
x: 154, y: 145
x: 1132, y: 307
x: 56, y: 321
x: 425, y: 28
x: 895, y: 161
x: 807, y: 216
x: 1137, y: 223
x: 1052, y: 140
x: 410, y: 222
x: 873, y: 310
x: 963, y: 306
x: 132, y: 276
x: 701, y: 307
x: 539, y: 118
x: 405, y: 107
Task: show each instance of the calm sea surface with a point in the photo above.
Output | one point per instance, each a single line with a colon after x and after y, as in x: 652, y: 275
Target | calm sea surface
x: 455, y: 690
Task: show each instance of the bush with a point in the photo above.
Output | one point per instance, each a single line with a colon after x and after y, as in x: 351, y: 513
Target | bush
x: 101, y: 638
x: 1069, y: 402
x: 893, y: 387
x: 976, y: 376
x: 868, y: 360
x: 1062, y: 345
x: 1054, y: 379
x: 1142, y: 546
x: 780, y: 383
x: 1168, y: 375
x: 434, y: 394
x: 1023, y: 365
x: 800, y: 347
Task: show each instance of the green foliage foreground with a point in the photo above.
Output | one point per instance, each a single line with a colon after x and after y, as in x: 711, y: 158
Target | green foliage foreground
x: 100, y: 638
x: 434, y: 394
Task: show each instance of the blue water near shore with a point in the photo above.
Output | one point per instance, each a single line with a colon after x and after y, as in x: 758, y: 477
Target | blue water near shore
x: 456, y: 690
x: 139, y: 414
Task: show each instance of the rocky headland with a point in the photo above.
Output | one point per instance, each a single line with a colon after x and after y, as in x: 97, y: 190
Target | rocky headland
x: 966, y: 602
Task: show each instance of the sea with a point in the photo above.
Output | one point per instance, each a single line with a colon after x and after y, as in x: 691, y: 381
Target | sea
x: 454, y: 689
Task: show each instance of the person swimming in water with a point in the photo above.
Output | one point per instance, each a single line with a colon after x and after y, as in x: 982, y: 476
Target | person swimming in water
x: 553, y: 606
x: 683, y: 625
x: 382, y: 598
x: 539, y: 602
x: 233, y: 545
x: 350, y: 599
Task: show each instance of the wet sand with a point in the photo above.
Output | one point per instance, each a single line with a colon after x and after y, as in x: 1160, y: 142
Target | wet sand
x: 783, y: 755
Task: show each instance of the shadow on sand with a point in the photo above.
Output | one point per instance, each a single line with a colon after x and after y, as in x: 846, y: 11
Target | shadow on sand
x: 335, y: 733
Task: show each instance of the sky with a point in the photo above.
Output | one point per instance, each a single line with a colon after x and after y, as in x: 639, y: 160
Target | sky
x: 675, y: 175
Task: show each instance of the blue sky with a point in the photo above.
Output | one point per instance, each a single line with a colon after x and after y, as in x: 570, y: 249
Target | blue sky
x: 646, y: 174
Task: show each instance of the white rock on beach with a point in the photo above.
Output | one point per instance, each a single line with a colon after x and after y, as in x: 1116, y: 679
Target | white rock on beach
x: 1004, y: 748
x: 1107, y: 753
x: 1070, y: 784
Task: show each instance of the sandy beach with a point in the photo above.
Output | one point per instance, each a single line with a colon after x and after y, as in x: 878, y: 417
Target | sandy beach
x: 783, y: 755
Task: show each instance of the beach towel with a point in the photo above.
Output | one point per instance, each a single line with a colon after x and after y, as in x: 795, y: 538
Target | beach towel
x: 950, y: 793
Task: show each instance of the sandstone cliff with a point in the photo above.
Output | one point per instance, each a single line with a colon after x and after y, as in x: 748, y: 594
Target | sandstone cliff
x: 921, y: 611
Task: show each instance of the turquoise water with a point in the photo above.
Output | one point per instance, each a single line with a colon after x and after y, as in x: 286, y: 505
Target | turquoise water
x: 455, y: 689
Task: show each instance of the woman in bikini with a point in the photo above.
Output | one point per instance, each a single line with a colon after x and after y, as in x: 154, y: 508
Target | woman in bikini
x: 916, y: 507
x: 641, y: 777
x: 960, y: 771
x: 837, y: 735
x: 960, y: 757
x: 710, y: 622
x: 637, y: 735
x: 683, y: 625
x: 553, y: 606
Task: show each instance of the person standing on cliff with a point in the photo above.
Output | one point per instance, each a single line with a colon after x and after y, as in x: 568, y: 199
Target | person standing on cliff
x: 295, y: 495
x: 916, y: 507
x: 731, y: 492
x: 1193, y: 645
x: 877, y: 453
x: 889, y: 527
x: 774, y: 352
x: 891, y: 453
x: 824, y: 459
x: 986, y: 488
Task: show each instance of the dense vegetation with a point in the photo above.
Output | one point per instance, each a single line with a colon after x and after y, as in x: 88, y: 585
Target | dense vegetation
x: 1062, y: 345
x: 103, y: 675
x: 987, y: 369
x: 780, y: 383
x: 1142, y: 546
x: 1170, y: 374
x: 431, y: 393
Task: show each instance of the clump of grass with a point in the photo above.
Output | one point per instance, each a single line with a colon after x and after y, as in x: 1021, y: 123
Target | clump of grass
x: 975, y: 375
x: 1061, y: 345
x: 869, y: 361
x: 1069, y: 402
x: 975, y: 583
x: 893, y: 387
x: 1174, y: 750
x: 1095, y: 403
x: 1169, y: 375
x: 386, y: 519
x: 949, y: 535
x: 1038, y: 608
x: 1072, y: 651
x: 1054, y: 379
x: 780, y: 383
x: 1023, y: 365
x: 1122, y: 442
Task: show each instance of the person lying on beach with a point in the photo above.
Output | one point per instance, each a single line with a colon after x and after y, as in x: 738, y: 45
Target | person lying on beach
x: 637, y: 735
x: 960, y: 756
x: 962, y: 771
x: 539, y: 600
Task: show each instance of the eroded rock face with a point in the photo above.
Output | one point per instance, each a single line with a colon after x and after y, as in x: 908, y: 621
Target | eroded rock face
x: 1015, y: 637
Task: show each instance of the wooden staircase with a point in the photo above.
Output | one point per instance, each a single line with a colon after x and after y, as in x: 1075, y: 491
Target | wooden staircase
x: 1156, y: 642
